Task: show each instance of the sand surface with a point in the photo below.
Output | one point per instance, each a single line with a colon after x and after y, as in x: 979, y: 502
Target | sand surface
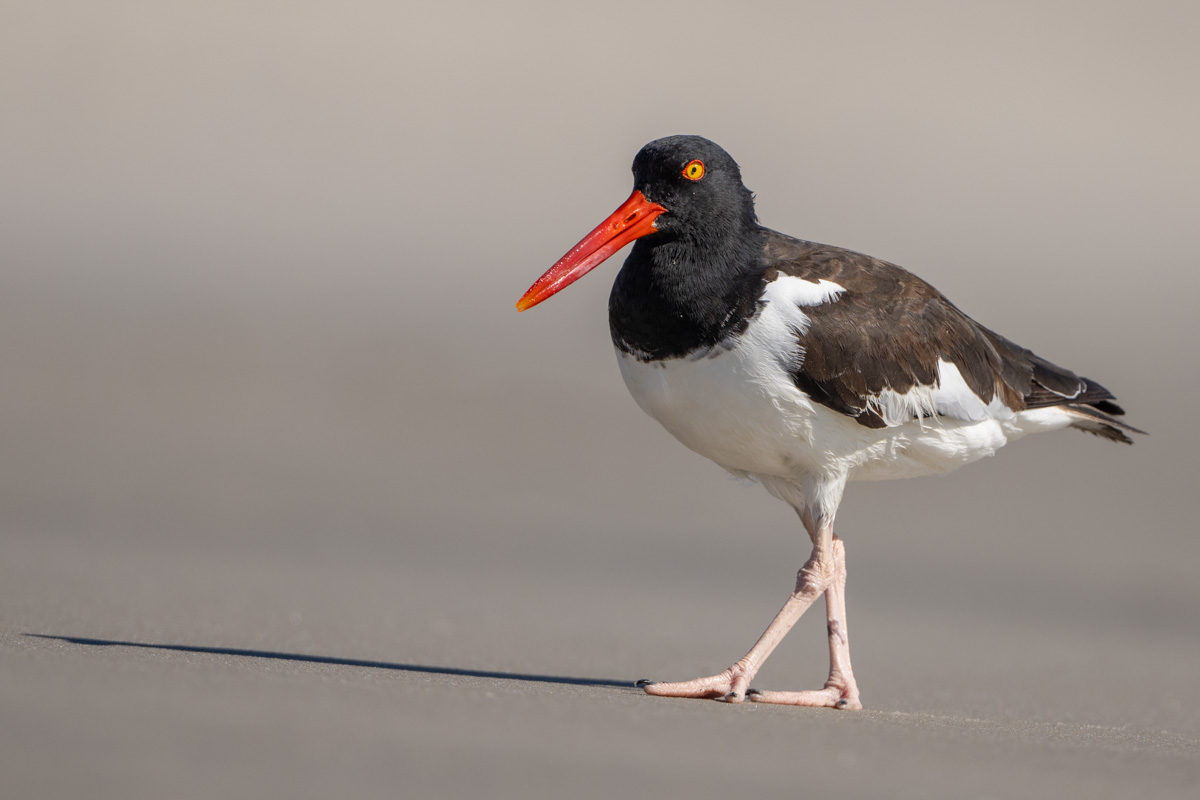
x: 294, y: 504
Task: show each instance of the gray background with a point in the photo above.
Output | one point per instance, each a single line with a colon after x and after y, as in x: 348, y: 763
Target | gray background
x: 306, y: 508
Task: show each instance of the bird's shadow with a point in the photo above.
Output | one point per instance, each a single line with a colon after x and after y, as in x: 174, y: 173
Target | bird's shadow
x: 345, y: 662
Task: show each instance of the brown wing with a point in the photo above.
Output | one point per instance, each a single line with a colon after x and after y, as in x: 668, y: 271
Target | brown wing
x: 888, y: 330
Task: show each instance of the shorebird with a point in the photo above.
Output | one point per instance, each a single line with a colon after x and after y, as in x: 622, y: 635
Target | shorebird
x: 802, y: 366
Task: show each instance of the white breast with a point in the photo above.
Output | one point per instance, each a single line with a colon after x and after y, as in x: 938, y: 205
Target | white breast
x: 735, y: 403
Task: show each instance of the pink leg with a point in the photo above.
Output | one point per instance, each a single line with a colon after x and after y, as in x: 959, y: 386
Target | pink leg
x: 824, y: 572
x: 840, y: 690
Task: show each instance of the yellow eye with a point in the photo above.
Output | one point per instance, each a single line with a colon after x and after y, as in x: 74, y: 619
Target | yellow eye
x: 694, y: 170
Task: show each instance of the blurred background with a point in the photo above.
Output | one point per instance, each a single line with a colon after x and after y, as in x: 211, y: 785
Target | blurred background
x: 262, y: 385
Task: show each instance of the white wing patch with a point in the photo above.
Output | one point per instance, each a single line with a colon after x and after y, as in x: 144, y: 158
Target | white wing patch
x: 951, y: 397
x: 804, y: 292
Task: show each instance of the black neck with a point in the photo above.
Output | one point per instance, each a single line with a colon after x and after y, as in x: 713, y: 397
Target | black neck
x: 680, y: 295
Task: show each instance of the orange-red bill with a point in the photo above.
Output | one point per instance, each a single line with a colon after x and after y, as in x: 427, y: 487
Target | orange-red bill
x: 634, y: 219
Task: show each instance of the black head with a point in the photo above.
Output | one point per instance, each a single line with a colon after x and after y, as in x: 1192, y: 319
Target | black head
x: 699, y: 185
x: 690, y: 206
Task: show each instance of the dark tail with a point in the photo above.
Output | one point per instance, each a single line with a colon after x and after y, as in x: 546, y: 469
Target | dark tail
x: 1098, y: 418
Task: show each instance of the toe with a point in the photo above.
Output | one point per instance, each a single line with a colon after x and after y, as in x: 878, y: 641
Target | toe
x: 819, y: 698
x: 737, y: 689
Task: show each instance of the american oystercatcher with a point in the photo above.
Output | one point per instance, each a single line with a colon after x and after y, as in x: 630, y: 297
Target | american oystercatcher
x: 802, y: 366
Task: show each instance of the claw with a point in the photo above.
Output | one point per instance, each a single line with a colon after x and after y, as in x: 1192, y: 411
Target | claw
x: 644, y: 682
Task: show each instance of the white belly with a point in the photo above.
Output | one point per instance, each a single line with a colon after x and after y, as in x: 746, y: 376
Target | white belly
x: 726, y: 408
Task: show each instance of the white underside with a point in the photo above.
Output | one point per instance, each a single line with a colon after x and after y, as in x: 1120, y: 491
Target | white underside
x: 738, y: 406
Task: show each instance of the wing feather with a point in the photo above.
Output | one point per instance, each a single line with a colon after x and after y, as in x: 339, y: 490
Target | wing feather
x: 889, y: 333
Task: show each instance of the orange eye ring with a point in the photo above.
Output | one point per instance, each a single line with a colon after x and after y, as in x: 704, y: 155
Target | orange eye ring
x: 694, y: 170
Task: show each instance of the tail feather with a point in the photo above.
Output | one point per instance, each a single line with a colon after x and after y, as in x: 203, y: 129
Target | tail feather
x: 1098, y: 419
